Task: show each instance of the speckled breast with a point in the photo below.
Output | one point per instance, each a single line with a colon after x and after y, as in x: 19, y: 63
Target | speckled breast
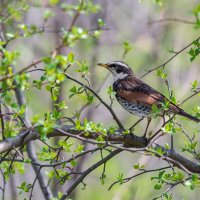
x: 134, y: 108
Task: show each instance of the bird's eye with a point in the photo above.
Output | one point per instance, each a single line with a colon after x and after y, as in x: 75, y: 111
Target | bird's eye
x: 118, y: 70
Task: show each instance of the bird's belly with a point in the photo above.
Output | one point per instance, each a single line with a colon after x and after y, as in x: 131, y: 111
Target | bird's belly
x: 135, y: 108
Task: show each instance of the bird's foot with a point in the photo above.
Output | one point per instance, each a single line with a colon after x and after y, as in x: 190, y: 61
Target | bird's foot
x: 145, y: 133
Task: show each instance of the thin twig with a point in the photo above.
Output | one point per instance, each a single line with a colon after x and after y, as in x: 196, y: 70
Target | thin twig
x: 2, y: 122
x: 194, y: 94
x: 167, y: 61
x: 22, y: 70
x: 152, y: 138
x: 170, y: 188
x: 34, y: 183
x: 99, y: 98
x: 144, y: 171
x: 172, y: 20
x: 88, y: 171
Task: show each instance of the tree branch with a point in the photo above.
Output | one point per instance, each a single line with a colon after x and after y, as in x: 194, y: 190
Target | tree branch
x: 88, y: 171
x: 172, y: 20
x: 167, y: 61
x: 30, y: 148
x: 128, y: 140
x: 99, y: 98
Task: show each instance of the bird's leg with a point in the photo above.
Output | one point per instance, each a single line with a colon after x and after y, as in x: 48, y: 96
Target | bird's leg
x: 172, y: 142
x: 163, y: 117
x: 131, y: 128
x: 145, y: 133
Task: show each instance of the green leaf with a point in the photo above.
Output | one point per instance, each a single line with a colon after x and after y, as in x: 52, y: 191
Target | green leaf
x: 195, y: 50
x: 167, y: 146
x: 50, y: 174
x: 110, y: 90
x: 2, y: 43
x: 127, y: 48
x: 97, y: 33
x: 37, y: 84
x: 160, y: 152
x: 61, y: 105
x: 101, y: 22
x: 48, y: 14
x: 53, y: 2
x: 136, y: 166
x: 71, y: 57
x: 47, y: 60
x: 10, y: 35
x: 196, y: 11
x: 80, y: 148
x: 90, y: 99
x: 73, y: 163
x: 187, y: 183
x: 60, y: 194
x: 167, y: 197
x: 194, y: 84
x: 157, y: 186
x: 24, y: 187
x: 126, y: 132
x: 65, y: 145
x: 120, y: 178
x: 159, y: 2
x: 160, y: 73
x: 169, y: 128
x: 83, y: 67
x: 73, y: 89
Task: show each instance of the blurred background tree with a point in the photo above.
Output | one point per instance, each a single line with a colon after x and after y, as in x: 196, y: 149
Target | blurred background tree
x: 60, y: 126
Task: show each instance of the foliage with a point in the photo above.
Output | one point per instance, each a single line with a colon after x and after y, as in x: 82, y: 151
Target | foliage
x: 68, y: 82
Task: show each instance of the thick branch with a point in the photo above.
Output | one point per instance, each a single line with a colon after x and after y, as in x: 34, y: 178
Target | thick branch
x: 129, y: 141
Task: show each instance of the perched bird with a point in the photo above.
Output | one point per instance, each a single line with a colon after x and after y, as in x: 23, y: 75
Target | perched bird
x: 137, y: 97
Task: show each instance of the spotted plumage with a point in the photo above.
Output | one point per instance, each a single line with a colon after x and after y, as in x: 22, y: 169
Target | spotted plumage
x: 134, y: 108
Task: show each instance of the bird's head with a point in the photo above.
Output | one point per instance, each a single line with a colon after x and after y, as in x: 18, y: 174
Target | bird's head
x: 118, y: 69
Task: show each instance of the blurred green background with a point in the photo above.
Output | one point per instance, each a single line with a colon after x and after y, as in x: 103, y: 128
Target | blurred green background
x: 136, y: 24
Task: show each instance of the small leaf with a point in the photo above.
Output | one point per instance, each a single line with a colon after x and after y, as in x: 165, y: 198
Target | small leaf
x: 157, y: 186
x: 48, y: 14
x: 71, y: 57
x: 10, y: 35
x: 136, y: 166
x: 101, y: 22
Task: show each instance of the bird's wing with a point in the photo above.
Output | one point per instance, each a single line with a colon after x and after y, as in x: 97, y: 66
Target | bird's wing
x: 133, y: 89
x: 139, y: 97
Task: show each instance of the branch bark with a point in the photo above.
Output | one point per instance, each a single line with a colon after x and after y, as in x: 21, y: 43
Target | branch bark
x: 129, y: 141
x: 31, y: 149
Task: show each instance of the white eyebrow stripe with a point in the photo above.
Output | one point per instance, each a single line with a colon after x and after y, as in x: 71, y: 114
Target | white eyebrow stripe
x: 119, y: 63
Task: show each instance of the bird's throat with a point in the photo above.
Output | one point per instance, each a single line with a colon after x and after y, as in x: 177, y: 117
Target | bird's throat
x: 119, y: 76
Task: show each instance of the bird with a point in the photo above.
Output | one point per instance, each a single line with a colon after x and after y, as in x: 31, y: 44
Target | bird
x: 137, y: 97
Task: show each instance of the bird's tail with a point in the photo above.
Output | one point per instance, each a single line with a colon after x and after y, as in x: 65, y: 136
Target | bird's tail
x: 181, y: 112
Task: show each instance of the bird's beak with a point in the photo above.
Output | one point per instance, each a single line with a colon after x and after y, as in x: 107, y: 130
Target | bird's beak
x: 103, y: 65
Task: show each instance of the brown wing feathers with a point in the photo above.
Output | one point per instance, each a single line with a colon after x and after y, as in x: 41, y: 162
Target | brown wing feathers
x: 136, y: 91
x: 133, y: 89
x: 137, y: 97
